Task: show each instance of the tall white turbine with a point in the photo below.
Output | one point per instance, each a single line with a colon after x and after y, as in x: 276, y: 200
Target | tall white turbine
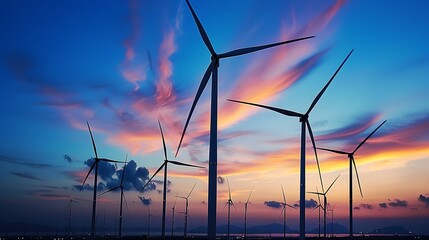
x: 186, y: 209
x: 303, y: 118
x: 245, y: 213
x: 351, y: 164
x: 164, y: 165
x: 325, y: 204
x: 212, y: 70
x: 121, y: 188
x: 94, y: 166
x: 284, y: 204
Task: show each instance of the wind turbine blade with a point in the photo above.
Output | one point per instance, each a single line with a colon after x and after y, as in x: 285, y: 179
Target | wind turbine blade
x: 192, y: 190
x: 315, y: 208
x: 175, y: 201
x: 201, y: 30
x: 332, y: 184
x: 326, y: 85
x: 125, y: 200
x: 369, y: 136
x: 123, y: 170
x: 229, y: 189
x: 284, y: 196
x: 279, y: 110
x: 310, y: 131
x: 250, y: 194
x: 163, y: 140
x: 184, y: 164
x: 157, y: 171
x: 290, y: 206
x: 243, y: 51
x: 90, y: 170
x: 92, y: 139
x: 318, y: 193
x: 110, y: 190
x: 331, y: 150
x: 109, y: 160
x: 232, y: 203
x: 318, y: 196
x: 357, y: 176
x: 203, y: 84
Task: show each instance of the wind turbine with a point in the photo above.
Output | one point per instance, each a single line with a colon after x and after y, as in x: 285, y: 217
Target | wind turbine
x: 164, y: 165
x: 303, y: 118
x: 284, y: 204
x: 121, y: 187
x: 148, y: 221
x: 319, y: 206
x: 94, y: 166
x: 351, y: 164
x: 229, y: 203
x: 172, y: 215
x: 186, y: 209
x: 212, y: 70
x: 325, y: 202
x: 245, y: 213
x: 71, y: 200
x: 332, y: 220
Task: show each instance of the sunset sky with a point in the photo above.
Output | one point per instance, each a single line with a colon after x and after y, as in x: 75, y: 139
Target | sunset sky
x: 121, y: 65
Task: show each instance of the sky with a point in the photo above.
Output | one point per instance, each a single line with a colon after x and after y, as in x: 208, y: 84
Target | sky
x: 122, y: 65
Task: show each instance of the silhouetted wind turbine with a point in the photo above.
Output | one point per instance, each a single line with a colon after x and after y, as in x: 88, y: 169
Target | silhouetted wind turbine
x: 172, y: 215
x: 319, y: 206
x: 284, y: 204
x: 351, y: 164
x: 164, y: 165
x: 229, y: 203
x: 212, y: 70
x: 325, y: 202
x: 149, y: 216
x: 121, y: 187
x: 303, y: 118
x: 332, y: 220
x: 245, y: 213
x: 94, y: 166
x: 71, y: 200
x: 186, y: 209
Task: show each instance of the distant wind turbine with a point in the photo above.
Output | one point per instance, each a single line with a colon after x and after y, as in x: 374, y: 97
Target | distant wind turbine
x: 172, y: 215
x: 212, y: 70
x: 121, y: 187
x: 149, y: 216
x: 351, y: 164
x: 303, y: 118
x: 284, y: 204
x: 319, y: 206
x: 229, y: 203
x: 325, y: 202
x: 332, y: 220
x: 94, y: 166
x: 71, y: 200
x: 164, y: 165
x: 245, y: 213
x: 186, y: 209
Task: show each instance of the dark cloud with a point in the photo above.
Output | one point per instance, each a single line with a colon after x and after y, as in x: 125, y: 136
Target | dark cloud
x: 68, y: 158
x: 356, y: 208
x: 366, y: 206
x: 146, y: 201
x: 24, y: 163
x: 308, y: 204
x: 203, y: 202
x: 220, y: 180
x: 85, y: 187
x: 273, y: 204
x: 134, y: 179
x: 383, y: 205
x: 424, y: 199
x: 26, y: 175
x: 398, y: 203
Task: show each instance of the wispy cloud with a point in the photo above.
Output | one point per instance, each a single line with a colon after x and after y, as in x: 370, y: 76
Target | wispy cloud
x: 23, y: 162
x: 26, y: 175
x: 398, y: 203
